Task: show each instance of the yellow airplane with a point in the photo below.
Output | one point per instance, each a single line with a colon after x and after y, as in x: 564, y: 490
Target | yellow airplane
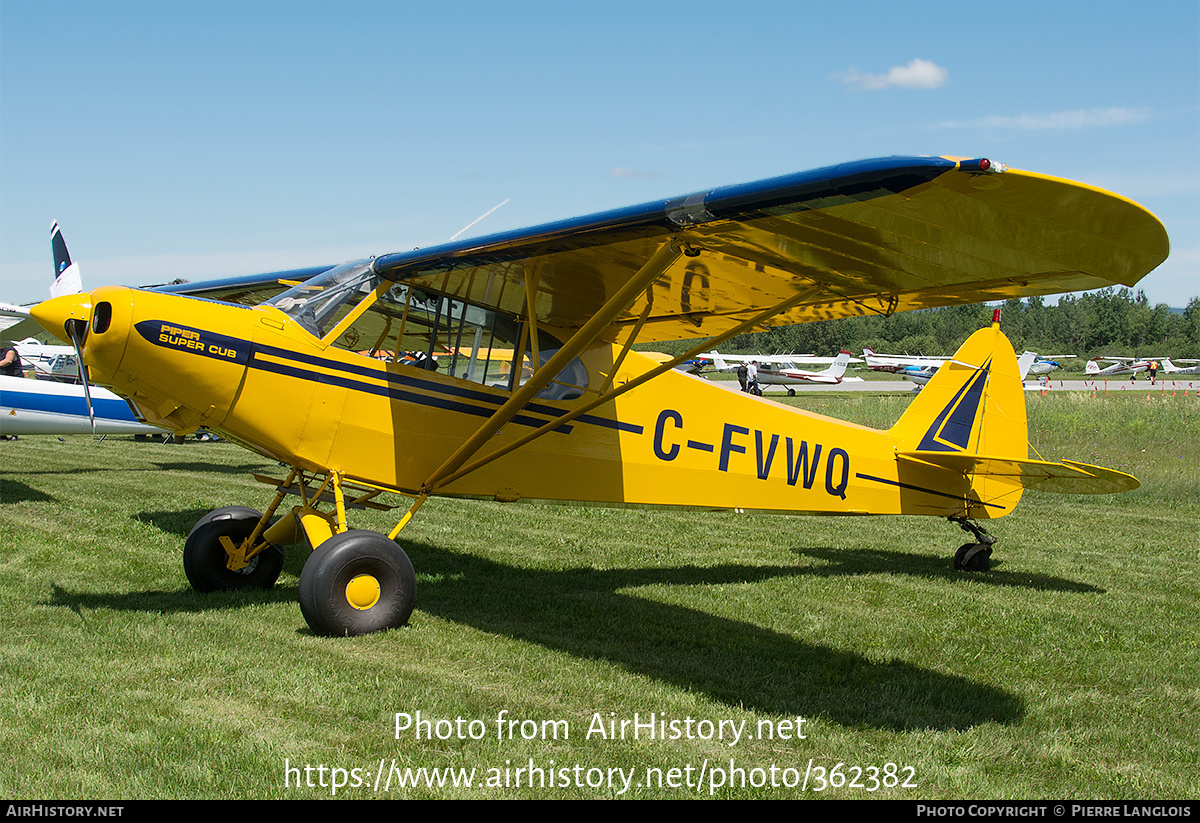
x: 299, y: 378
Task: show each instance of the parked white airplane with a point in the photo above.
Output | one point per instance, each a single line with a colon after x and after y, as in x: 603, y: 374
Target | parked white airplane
x: 17, y: 322
x: 783, y: 370
x: 46, y: 407
x: 1171, y: 368
x: 1046, y: 363
x: 1120, y: 367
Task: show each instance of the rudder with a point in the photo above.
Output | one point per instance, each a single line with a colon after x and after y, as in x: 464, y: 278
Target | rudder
x: 973, y: 405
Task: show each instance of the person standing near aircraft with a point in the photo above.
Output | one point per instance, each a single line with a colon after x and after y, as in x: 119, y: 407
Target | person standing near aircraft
x: 1152, y: 370
x: 752, y: 378
x: 10, y: 365
x: 742, y: 371
x: 10, y: 361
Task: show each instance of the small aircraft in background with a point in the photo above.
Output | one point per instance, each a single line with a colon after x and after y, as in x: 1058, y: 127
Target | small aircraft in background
x: 918, y: 374
x: 49, y: 407
x: 16, y: 321
x: 1046, y: 363
x: 57, y: 402
x: 897, y: 363
x: 586, y: 418
x: 784, y: 369
x: 1120, y: 367
x: 1169, y: 367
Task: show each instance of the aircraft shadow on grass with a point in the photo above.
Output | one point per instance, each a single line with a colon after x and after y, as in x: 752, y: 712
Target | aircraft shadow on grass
x: 586, y: 613
x: 14, y: 491
x: 855, y: 562
x: 210, y: 468
x: 200, y: 466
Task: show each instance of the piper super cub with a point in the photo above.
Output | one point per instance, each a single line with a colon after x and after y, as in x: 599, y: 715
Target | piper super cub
x: 503, y: 367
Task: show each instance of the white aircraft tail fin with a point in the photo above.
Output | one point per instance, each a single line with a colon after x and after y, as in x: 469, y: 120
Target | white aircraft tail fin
x: 1092, y: 367
x: 719, y: 362
x: 1024, y: 362
x: 66, y: 273
x: 839, y: 365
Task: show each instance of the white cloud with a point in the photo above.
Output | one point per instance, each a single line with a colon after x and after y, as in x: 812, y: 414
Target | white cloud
x: 1072, y: 120
x: 918, y: 74
x: 626, y: 172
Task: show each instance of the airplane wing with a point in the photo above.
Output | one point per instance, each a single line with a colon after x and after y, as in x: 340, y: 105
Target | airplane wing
x: 813, y: 378
x: 870, y: 237
x: 781, y: 359
x: 16, y: 324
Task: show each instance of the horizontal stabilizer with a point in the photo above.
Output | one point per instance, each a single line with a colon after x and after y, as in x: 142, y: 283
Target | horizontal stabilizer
x: 1067, y: 477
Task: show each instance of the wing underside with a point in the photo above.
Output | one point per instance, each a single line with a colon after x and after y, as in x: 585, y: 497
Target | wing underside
x: 862, y: 238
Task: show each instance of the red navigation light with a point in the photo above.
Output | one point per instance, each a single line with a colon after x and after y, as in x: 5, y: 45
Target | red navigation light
x: 985, y: 164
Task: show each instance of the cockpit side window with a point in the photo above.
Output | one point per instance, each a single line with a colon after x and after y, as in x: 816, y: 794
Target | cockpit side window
x: 410, y: 326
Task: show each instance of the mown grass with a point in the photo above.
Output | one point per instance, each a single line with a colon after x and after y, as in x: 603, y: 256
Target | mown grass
x: 1071, y: 670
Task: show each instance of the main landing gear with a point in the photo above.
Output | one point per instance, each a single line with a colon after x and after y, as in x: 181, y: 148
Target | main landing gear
x: 354, y: 582
x: 977, y: 556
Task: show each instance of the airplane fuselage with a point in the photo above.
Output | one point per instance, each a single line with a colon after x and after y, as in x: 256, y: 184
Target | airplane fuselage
x: 49, y: 407
x: 257, y: 377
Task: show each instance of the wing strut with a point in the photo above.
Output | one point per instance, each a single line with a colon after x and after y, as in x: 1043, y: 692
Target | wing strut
x: 587, y: 334
x: 629, y: 341
x: 633, y: 384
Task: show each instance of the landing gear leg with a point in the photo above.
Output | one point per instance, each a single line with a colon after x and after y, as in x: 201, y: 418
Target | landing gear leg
x: 977, y: 556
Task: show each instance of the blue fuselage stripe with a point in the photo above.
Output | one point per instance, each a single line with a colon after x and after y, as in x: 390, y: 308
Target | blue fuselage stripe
x: 397, y: 381
x: 75, y: 405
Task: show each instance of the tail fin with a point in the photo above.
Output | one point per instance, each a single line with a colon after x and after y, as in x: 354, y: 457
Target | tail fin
x: 1024, y: 362
x: 1092, y: 367
x: 66, y: 273
x: 838, y: 369
x: 974, y: 403
x: 970, y: 420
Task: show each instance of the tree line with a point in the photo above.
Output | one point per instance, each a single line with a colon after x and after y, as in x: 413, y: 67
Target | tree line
x: 1111, y: 321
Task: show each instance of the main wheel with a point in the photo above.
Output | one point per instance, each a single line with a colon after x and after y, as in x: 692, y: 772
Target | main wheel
x: 357, y: 582
x: 973, y: 557
x: 204, y: 558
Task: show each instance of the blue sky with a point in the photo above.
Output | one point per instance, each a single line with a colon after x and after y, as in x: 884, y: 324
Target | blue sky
x: 203, y: 140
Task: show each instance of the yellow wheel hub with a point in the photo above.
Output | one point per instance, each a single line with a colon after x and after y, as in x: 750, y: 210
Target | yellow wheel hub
x: 362, y: 592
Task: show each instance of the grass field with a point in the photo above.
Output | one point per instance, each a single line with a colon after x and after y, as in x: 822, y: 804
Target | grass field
x: 1071, y: 670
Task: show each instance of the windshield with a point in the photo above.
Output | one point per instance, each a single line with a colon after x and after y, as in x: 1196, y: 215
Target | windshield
x: 410, y: 326
x: 313, y: 302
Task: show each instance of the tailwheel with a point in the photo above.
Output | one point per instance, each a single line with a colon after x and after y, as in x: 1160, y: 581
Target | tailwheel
x: 973, y: 557
x: 205, y: 560
x: 357, y: 582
